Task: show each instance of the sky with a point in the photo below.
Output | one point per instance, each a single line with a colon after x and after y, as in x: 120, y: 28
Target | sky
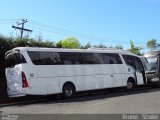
x: 108, y: 22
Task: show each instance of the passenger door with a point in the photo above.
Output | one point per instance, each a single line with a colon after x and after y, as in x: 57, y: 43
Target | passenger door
x: 140, y: 73
x: 136, y: 63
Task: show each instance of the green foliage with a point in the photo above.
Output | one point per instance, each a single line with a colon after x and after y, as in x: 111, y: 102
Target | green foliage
x: 133, y: 49
x: 100, y: 46
x: 5, y: 45
x: 59, y: 44
x: 88, y: 45
x: 21, y: 43
x: 40, y: 43
x: 119, y: 47
x: 48, y: 44
x: 152, y: 44
x: 34, y: 43
x: 70, y: 42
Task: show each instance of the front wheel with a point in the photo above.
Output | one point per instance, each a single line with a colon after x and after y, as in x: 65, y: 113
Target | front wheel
x: 68, y: 91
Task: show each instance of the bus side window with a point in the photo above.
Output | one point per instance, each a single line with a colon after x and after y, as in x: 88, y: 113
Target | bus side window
x: 129, y: 60
x: 70, y: 58
x: 92, y: 58
x: 111, y: 58
x: 41, y: 58
x: 57, y: 59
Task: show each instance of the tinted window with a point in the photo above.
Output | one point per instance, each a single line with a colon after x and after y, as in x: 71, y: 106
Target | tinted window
x: 133, y: 61
x: 138, y: 65
x: 92, y: 58
x: 111, y: 58
x: 129, y: 60
x: 41, y: 58
x: 152, y: 62
x: 70, y: 58
x: 14, y: 59
x: 57, y: 59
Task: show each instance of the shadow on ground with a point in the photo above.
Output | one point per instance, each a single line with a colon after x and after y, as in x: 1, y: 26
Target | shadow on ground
x: 80, y: 97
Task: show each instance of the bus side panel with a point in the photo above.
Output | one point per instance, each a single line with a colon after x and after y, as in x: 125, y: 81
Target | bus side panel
x: 49, y: 76
x: 91, y: 77
x: 125, y: 73
x: 53, y: 85
x: 116, y: 74
x: 85, y: 83
x: 94, y: 77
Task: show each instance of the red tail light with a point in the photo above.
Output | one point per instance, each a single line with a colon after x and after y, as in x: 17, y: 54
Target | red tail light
x: 24, y: 81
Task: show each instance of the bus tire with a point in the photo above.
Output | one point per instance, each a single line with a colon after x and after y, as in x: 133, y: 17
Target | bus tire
x: 130, y: 84
x: 68, y: 90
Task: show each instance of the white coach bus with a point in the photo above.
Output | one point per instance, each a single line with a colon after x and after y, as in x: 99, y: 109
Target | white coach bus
x: 45, y: 71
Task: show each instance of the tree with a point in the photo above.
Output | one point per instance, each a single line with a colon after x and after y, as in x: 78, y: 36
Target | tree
x: 21, y: 42
x: 88, y: 45
x: 40, y: 43
x: 100, y: 46
x: 133, y: 49
x: 6, y: 43
x: 152, y: 44
x: 59, y: 44
x: 119, y: 47
x: 48, y: 44
x: 34, y: 43
x: 70, y: 42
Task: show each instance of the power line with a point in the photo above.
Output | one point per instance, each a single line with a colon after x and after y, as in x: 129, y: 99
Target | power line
x: 71, y: 32
x: 52, y: 29
x: 7, y: 20
x: 81, y: 35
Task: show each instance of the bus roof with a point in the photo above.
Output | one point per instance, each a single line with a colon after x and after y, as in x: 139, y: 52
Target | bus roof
x: 96, y: 50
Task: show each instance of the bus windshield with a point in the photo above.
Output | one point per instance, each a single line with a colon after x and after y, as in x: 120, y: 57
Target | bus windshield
x: 152, y: 63
x: 145, y: 63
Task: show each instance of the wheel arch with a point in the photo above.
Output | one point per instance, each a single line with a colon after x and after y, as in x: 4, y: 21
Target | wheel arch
x: 132, y: 79
x: 69, y: 82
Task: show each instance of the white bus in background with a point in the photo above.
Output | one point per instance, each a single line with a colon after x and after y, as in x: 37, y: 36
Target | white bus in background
x: 45, y: 71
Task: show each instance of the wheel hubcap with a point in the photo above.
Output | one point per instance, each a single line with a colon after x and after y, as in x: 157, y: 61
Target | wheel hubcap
x: 68, y: 91
x: 129, y: 85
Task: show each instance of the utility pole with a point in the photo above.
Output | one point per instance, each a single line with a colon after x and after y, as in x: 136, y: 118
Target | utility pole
x: 22, y: 28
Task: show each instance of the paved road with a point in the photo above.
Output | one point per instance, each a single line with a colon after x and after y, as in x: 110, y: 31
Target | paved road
x: 139, y: 101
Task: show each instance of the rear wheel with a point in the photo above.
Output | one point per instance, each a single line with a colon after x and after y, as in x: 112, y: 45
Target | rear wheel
x: 130, y: 84
x: 68, y: 90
